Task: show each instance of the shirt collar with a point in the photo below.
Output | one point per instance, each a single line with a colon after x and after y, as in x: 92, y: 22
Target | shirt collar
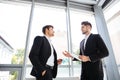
x: 86, y: 37
x: 49, y: 39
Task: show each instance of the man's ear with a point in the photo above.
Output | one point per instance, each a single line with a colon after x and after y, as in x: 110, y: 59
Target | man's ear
x: 46, y: 30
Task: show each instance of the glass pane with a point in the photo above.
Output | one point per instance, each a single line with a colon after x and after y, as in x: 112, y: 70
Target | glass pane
x: 13, y: 28
x: 50, y: 16
x: 8, y: 75
x: 63, y: 72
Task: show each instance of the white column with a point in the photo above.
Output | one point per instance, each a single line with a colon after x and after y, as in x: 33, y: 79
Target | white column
x: 69, y: 36
x: 27, y: 41
x: 110, y: 63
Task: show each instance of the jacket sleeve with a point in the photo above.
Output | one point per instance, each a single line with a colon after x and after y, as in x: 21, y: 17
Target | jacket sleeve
x: 34, y: 54
x: 102, y: 50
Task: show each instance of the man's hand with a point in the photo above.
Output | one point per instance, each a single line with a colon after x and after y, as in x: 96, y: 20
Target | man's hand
x: 84, y: 58
x: 59, y: 61
x: 67, y: 54
x: 43, y: 73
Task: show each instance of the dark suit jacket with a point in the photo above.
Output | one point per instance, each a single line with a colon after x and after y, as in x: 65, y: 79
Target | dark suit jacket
x: 96, y: 50
x: 39, y: 54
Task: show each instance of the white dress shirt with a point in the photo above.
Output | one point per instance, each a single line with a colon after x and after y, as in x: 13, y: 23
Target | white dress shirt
x: 50, y: 60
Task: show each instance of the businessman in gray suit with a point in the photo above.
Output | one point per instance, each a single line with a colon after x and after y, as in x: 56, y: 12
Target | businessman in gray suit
x: 92, y: 50
x: 43, y: 56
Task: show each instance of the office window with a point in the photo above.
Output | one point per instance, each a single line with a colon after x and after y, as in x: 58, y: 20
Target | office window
x: 13, y: 29
x: 14, y: 19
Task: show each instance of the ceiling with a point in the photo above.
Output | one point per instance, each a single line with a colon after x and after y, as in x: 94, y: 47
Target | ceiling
x: 79, y: 4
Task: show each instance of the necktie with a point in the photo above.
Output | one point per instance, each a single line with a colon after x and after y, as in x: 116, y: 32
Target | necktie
x: 82, y: 46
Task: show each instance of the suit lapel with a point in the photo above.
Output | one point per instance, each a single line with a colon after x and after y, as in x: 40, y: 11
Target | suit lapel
x: 87, y: 42
x: 82, y: 46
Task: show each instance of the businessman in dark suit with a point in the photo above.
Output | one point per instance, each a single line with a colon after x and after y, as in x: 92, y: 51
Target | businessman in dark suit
x: 92, y: 50
x: 43, y: 56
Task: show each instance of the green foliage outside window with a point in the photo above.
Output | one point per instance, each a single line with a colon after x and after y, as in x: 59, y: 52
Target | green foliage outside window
x: 17, y: 58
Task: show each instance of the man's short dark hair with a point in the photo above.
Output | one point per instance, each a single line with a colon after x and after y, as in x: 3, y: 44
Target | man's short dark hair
x: 86, y: 23
x: 46, y: 27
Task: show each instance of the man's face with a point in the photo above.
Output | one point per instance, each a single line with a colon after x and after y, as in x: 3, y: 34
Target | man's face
x: 50, y: 32
x: 84, y: 29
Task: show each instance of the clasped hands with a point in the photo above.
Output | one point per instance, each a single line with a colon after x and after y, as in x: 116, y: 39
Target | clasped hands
x: 82, y: 57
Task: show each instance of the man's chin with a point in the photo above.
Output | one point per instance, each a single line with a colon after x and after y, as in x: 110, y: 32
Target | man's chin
x: 83, y: 33
x: 52, y: 35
